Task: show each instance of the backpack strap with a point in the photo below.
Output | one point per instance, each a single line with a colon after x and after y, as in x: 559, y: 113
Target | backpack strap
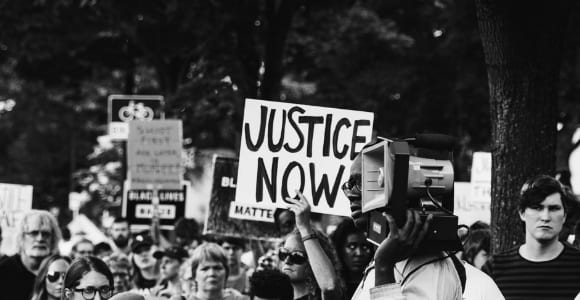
x: 460, y: 270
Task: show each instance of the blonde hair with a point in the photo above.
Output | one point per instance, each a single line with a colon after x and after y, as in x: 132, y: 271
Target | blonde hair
x: 45, y: 218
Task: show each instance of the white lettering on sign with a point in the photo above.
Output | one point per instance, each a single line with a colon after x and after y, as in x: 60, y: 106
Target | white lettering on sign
x: 165, y: 196
x: 252, y: 213
x: 145, y: 211
x: 228, y: 182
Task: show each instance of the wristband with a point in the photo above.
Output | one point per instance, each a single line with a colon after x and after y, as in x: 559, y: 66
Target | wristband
x: 309, y: 237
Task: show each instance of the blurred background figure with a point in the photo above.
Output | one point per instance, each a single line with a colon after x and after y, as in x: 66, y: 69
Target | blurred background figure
x: 285, y: 221
x: 238, y: 277
x: 37, y: 237
x: 121, y: 269
x: 85, y: 278
x: 270, y: 285
x: 102, y: 250
x: 144, y: 265
x: 476, y: 247
x: 354, y: 253
x: 120, y: 236
x: 187, y: 234
x: 50, y: 278
x: 209, y: 266
x: 171, y: 260
x: 82, y: 248
x: 128, y: 296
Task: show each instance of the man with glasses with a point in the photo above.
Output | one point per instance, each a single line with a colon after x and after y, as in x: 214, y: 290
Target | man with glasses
x: 82, y: 248
x: 121, y: 269
x: 400, y: 270
x: 38, y: 235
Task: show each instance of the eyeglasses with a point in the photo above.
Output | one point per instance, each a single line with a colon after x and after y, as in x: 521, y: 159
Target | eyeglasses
x: 55, y: 276
x: 295, y: 257
x: 363, y: 247
x: 89, y: 292
x: 42, y: 233
x: 351, y: 188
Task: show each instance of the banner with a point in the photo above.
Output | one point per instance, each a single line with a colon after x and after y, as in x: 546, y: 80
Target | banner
x: 125, y: 108
x: 15, y: 200
x: 246, y: 221
x: 154, y: 154
x: 287, y: 147
x: 138, y: 206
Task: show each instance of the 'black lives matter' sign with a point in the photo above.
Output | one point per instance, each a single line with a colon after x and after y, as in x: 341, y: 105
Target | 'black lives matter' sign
x: 287, y: 147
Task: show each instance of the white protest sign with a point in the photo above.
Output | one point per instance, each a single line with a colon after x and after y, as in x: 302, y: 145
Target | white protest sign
x: 15, y: 200
x: 154, y: 154
x: 287, y: 147
x: 467, y: 210
x: 481, y: 178
x: 252, y: 213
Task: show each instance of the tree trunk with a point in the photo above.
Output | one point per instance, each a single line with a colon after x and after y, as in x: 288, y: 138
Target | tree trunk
x: 522, y: 42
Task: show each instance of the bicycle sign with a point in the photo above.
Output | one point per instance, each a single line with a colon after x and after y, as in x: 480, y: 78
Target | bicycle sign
x: 126, y: 108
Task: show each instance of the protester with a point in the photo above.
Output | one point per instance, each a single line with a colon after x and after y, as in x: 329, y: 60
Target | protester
x: 309, y: 258
x: 270, y: 285
x: 209, y: 266
x: 102, y: 250
x: 82, y: 248
x: 120, y: 238
x: 145, y: 266
x: 238, y: 277
x: 121, y: 269
x: 542, y: 267
x: 400, y: 270
x: 354, y: 253
x: 285, y: 221
x: 187, y: 234
x: 86, y: 278
x: 49, y: 281
x: 477, y: 247
x: 37, y: 237
x: 171, y: 260
x: 479, y: 286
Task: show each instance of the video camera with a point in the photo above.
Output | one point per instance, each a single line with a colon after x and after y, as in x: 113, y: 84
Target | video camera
x: 414, y: 173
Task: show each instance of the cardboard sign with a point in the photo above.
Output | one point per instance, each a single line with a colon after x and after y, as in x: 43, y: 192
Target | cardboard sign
x: 287, y: 147
x: 467, y: 209
x: 247, y: 221
x: 15, y: 200
x: 481, y: 178
x: 138, y: 206
x: 154, y: 154
x: 125, y: 108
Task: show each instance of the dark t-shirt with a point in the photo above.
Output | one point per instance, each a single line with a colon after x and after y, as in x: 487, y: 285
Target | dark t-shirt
x: 16, y: 282
x: 519, y: 278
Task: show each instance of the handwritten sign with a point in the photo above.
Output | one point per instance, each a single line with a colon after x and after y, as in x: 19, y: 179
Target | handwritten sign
x: 227, y: 218
x: 287, y: 147
x: 154, y: 154
x: 15, y: 200
x: 481, y: 178
x: 466, y: 208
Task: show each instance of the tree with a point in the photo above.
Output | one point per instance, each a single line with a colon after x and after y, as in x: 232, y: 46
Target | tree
x: 523, y: 47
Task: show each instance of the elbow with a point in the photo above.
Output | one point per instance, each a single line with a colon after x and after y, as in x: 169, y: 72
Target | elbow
x: 329, y: 287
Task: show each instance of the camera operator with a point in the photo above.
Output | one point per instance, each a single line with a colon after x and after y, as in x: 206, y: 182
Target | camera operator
x: 401, y: 270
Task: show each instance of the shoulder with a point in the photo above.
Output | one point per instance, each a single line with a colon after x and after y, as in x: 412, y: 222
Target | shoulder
x: 479, y: 285
x: 10, y: 262
x: 233, y: 294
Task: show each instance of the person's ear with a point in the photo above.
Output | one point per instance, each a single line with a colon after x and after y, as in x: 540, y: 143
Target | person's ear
x: 521, y: 213
x: 67, y: 293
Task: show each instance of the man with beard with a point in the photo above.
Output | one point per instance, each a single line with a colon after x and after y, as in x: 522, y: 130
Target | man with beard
x: 120, y: 240
x: 37, y: 237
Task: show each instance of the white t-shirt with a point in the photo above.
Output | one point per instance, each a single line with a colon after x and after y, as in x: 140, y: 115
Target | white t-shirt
x: 479, y: 286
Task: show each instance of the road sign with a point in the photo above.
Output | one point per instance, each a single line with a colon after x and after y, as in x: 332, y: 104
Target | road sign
x: 125, y: 108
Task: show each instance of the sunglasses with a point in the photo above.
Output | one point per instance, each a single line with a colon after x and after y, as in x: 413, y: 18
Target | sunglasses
x: 55, y: 276
x: 89, y: 292
x: 350, y: 188
x: 295, y: 257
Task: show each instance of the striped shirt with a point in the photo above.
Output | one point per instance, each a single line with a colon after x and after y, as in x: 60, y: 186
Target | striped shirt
x: 519, y: 278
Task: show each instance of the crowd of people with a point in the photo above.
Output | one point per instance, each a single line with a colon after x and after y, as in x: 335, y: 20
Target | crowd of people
x: 306, y: 264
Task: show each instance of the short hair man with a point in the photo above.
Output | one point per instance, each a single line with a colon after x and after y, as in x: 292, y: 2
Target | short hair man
x: 37, y: 236
x: 238, y: 276
x: 120, y: 236
x: 542, y: 267
x: 82, y: 248
x: 121, y: 268
x: 400, y: 270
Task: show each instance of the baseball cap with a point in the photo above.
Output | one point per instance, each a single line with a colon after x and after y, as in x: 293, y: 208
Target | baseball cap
x: 173, y: 252
x: 141, y: 241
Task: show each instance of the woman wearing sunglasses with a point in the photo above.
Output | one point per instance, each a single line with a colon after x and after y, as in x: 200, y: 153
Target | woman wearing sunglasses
x: 48, y: 283
x: 309, y: 259
x: 88, y: 278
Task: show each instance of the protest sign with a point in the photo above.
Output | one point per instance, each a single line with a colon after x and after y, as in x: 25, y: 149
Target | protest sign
x: 154, y: 154
x: 138, y: 205
x: 15, y: 200
x: 481, y: 178
x: 247, y: 221
x: 125, y: 108
x: 287, y: 147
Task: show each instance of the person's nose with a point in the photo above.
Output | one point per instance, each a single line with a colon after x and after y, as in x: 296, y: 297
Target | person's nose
x: 545, y: 214
x: 97, y: 296
x: 357, y: 251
